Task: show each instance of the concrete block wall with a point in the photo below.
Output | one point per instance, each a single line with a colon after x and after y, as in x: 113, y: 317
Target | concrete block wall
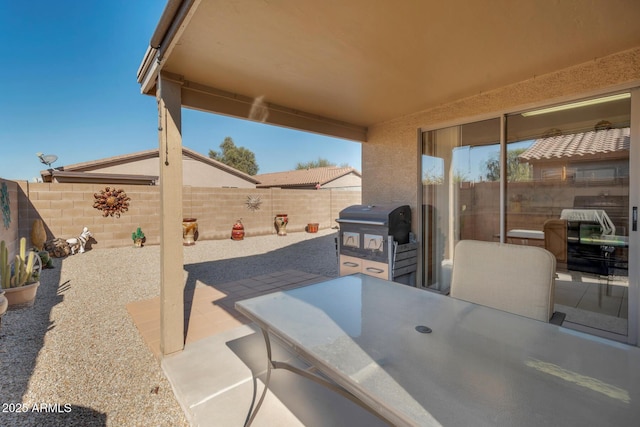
x: 66, y: 208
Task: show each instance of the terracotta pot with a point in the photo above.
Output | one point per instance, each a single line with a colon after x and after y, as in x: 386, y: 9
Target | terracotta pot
x: 237, y: 231
x: 312, y: 227
x: 189, y: 231
x: 22, y: 296
x: 281, y: 221
x: 3, y: 303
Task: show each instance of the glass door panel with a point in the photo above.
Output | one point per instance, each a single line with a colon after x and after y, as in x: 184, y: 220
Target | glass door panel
x: 567, y: 190
x: 460, y: 193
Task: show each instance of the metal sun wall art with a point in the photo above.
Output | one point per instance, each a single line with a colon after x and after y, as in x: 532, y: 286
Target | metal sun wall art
x: 253, y: 203
x: 111, y: 201
x: 4, y: 204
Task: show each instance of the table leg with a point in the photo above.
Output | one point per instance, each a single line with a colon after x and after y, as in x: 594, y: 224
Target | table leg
x: 253, y: 411
x: 274, y: 364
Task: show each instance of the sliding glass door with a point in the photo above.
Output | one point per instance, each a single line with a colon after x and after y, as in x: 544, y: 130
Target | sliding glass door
x: 557, y: 178
x: 460, y: 193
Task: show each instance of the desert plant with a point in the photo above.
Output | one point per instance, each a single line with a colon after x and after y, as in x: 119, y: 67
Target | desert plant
x: 19, y: 273
x: 137, y: 235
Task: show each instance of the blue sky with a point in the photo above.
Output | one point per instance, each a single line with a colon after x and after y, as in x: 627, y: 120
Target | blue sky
x: 68, y: 87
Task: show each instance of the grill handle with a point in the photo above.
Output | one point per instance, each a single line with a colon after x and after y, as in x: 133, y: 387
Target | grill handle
x: 349, y: 264
x: 360, y: 221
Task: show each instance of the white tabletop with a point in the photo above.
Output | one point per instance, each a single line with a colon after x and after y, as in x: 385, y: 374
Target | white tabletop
x: 479, y: 366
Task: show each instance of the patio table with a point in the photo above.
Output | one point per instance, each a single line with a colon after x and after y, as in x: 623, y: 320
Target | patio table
x: 418, y: 358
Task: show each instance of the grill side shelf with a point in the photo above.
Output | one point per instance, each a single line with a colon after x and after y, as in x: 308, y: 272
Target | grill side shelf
x: 361, y: 222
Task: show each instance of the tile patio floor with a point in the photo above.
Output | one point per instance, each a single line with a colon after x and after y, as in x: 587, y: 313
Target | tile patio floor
x: 593, y: 304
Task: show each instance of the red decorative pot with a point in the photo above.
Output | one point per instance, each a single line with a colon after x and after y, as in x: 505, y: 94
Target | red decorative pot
x: 237, y: 231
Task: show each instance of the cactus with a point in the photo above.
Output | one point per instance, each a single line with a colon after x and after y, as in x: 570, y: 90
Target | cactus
x: 21, y: 273
x: 5, y: 267
x: 138, y: 234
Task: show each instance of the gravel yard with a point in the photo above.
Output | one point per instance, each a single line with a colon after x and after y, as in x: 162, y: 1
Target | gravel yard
x: 76, y: 359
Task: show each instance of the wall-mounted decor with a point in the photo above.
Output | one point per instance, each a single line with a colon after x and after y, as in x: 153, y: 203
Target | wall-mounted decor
x: 4, y: 204
x: 111, y: 202
x: 253, y: 203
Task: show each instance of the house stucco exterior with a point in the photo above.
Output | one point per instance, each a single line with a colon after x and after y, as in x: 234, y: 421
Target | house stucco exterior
x: 391, y: 158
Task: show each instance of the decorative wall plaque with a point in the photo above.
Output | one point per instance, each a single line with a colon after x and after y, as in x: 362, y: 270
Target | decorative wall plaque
x: 111, y: 202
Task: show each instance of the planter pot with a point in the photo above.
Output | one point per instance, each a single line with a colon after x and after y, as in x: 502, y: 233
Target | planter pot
x: 281, y: 221
x: 237, y: 231
x: 3, y: 304
x: 137, y: 243
x: 312, y: 227
x: 22, y: 296
x: 189, y: 231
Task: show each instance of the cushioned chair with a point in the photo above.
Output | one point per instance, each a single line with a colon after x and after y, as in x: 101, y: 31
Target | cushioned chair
x: 514, y: 278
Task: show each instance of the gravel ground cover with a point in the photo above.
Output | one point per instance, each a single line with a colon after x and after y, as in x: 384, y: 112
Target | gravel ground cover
x: 76, y: 359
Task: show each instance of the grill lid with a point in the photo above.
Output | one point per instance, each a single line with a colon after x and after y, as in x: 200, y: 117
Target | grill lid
x: 394, y: 219
x: 368, y: 214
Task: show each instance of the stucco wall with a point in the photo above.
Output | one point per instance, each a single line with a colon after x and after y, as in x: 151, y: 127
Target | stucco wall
x: 390, y: 157
x: 348, y: 181
x: 67, y: 208
x: 199, y: 174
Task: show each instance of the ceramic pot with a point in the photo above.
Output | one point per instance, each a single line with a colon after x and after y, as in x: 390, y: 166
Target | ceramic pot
x: 137, y: 243
x: 312, y: 227
x: 281, y: 221
x: 189, y: 231
x: 22, y: 296
x: 237, y: 231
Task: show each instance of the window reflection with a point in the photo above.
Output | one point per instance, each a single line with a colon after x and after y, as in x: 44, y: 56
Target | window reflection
x: 564, y: 160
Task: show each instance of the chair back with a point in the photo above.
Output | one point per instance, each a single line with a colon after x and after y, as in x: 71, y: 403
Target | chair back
x: 514, y: 278
x: 555, y: 238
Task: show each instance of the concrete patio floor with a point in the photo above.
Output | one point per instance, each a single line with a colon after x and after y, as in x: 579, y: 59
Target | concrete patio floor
x: 221, y: 369
x: 210, y: 310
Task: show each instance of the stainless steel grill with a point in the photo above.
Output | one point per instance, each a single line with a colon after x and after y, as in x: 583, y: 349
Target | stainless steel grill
x: 370, y: 238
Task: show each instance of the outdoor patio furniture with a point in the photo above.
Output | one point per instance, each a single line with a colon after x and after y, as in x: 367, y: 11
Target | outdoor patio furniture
x: 555, y: 239
x: 514, y: 278
x: 421, y: 358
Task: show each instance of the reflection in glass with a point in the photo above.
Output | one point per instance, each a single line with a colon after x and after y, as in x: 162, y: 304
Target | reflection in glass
x: 569, y: 181
x: 461, y: 191
x: 574, y: 159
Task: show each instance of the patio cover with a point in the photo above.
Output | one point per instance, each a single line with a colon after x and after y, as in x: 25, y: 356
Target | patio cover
x: 338, y: 67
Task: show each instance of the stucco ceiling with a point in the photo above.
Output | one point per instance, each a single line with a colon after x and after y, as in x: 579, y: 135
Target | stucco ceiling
x: 364, y: 61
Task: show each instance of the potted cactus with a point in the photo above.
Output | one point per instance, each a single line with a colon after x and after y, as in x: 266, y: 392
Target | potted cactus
x: 19, y: 280
x: 138, y: 238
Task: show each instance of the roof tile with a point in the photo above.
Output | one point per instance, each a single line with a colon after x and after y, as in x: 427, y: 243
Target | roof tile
x: 304, y: 177
x: 578, y: 144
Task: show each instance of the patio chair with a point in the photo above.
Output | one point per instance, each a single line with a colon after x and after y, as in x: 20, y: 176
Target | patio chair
x: 514, y: 278
x: 555, y: 239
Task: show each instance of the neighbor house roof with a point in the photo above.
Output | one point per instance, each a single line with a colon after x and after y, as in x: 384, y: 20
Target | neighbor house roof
x: 579, y: 146
x: 79, y: 170
x: 304, y: 177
